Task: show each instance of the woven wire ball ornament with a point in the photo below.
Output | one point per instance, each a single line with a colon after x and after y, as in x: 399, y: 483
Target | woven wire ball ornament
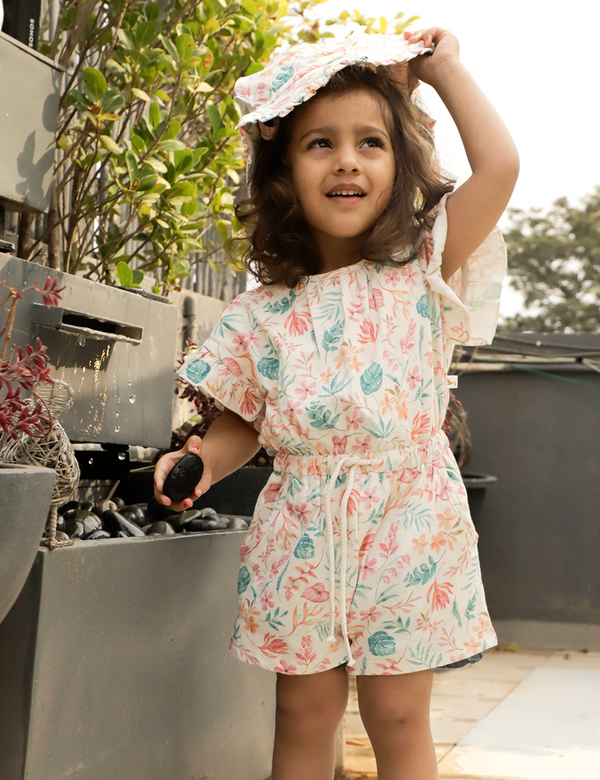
x: 53, y: 451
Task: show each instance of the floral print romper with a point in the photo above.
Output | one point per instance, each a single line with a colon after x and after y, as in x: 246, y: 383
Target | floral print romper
x: 361, y: 550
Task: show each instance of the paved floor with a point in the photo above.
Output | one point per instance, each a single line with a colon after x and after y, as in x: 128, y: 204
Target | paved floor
x: 514, y: 716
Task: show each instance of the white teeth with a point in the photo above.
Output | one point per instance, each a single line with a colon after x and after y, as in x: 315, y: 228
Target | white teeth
x: 344, y: 192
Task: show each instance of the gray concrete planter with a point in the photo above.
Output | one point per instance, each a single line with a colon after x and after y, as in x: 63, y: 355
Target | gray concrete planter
x: 26, y: 492
x: 30, y: 85
x: 114, y: 664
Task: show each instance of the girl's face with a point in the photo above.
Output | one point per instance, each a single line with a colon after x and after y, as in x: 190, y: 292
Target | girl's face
x: 343, y: 169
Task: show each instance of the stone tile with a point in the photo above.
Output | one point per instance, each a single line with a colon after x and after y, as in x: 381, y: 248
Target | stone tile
x: 488, y: 763
x: 548, y: 728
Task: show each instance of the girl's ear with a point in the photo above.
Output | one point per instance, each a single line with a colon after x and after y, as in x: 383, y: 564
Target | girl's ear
x: 269, y: 131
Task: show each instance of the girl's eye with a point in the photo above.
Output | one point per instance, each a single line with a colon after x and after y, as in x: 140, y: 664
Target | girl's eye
x: 319, y: 143
x: 373, y: 142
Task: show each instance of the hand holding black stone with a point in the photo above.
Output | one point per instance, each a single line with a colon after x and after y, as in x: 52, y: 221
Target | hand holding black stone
x: 181, y: 481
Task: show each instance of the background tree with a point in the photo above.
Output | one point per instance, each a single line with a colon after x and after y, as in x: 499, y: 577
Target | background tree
x: 149, y: 156
x: 554, y: 260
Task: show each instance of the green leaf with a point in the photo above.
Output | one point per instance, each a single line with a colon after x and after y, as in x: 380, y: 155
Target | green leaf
x: 171, y: 145
x: 124, y: 275
x: 181, y: 268
x: 145, y: 33
x: 152, y: 11
x: 95, y: 83
x: 132, y: 167
x: 154, y: 115
x: 112, y: 101
x: 214, y: 116
x: 138, y: 276
x: 139, y: 93
x: 183, y: 160
x: 184, y: 45
x: 110, y: 144
x: 222, y: 230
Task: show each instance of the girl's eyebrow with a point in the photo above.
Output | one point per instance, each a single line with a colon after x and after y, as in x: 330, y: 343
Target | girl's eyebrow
x: 327, y: 129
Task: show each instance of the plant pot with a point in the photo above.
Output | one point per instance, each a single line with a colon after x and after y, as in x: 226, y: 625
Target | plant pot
x: 114, y: 664
x: 26, y: 493
x: 31, y: 87
x: 476, y: 485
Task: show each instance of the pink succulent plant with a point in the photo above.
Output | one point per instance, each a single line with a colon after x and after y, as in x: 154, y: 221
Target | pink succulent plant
x: 22, y: 370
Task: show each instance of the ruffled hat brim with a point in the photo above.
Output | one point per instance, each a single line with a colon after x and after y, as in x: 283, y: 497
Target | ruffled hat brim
x: 295, y: 75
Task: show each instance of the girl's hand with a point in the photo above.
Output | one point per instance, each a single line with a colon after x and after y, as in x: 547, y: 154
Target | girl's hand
x: 426, y: 66
x: 166, y: 463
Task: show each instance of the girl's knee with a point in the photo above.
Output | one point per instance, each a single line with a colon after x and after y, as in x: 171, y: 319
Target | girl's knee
x: 402, y: 700
x: 313, y: 700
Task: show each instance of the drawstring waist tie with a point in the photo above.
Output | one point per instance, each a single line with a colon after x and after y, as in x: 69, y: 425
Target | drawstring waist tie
x: 418, y: 458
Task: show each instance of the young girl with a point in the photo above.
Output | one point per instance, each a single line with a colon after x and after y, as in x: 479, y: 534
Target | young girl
x: 361, y: 557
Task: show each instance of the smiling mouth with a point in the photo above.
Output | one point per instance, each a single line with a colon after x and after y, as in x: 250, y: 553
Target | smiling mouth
x: 346, y: 194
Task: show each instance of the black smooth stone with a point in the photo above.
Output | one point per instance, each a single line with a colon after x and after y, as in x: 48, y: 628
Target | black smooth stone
x: 70, y: 514
x: 208, y: 513
x: 115, y: 522
x: 181, y: 521
x: 161, y: 528
x: 78, y: 531
x: 90, y: 521
x: 119, y: 502
x: 159, y: 511
x: 136, y: 514
x: 146, y: 527
x: 99, y: 534
x: 87, y: 504
x: 106, y: 505
x: 122, y: 535
x: 181, y: 481
x: 237, y: 524
x: 207, y: 524
x: 60, y: 523
x: 69, y: 505
x: 61, y: 536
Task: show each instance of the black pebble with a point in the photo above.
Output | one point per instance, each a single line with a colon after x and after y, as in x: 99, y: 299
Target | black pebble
x: 100, y: 534
x: 181, y: 481
x: 119, y: 502
x: 136, y: 513
x: 116, y: 523
x: 159, y: 511
x: 69, y: 505
x: 87, y: 504
x: 181, y: 521
x: 70, y: 514
x: 207, y: 524
x: 78, y: 531
x: 160, y: 528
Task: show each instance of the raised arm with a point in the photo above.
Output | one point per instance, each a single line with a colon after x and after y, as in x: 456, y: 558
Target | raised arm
x: 229, y: 443
x: 475, y: 207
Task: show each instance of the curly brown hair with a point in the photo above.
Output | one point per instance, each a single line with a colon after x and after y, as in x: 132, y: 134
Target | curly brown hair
x: 278, y: 246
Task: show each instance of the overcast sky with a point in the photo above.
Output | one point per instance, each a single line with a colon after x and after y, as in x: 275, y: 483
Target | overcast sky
x: 539, y: 65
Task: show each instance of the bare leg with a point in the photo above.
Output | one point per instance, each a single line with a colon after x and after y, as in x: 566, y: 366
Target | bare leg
x: 309, y: 710
x: 395, y: 712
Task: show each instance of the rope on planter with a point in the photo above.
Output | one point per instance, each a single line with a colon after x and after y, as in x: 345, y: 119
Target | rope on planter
x: 53, y: 451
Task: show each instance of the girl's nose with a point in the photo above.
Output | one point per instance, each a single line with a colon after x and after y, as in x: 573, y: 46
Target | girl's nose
x: 347, y: 160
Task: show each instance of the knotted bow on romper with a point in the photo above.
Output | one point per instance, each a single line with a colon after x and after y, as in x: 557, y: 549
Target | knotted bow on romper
x: 338, y: 374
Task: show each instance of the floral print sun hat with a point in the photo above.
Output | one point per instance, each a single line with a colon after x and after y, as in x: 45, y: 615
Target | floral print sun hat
x: 296, y: 74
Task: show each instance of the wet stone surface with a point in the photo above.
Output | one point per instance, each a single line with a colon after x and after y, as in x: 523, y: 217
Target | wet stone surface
x: 103, y: 520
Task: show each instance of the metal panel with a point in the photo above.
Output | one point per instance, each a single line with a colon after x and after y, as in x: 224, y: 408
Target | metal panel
x: 539, y: 541
x: 114, y: 664
x: 30, y: 85
x: 117, y: 349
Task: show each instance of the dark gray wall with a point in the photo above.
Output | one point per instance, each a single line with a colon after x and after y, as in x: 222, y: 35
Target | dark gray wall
x: 540, y: 525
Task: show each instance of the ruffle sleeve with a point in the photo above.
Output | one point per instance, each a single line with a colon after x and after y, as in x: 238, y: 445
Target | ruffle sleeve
x: 470, y: 300
x: 236, y: 365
